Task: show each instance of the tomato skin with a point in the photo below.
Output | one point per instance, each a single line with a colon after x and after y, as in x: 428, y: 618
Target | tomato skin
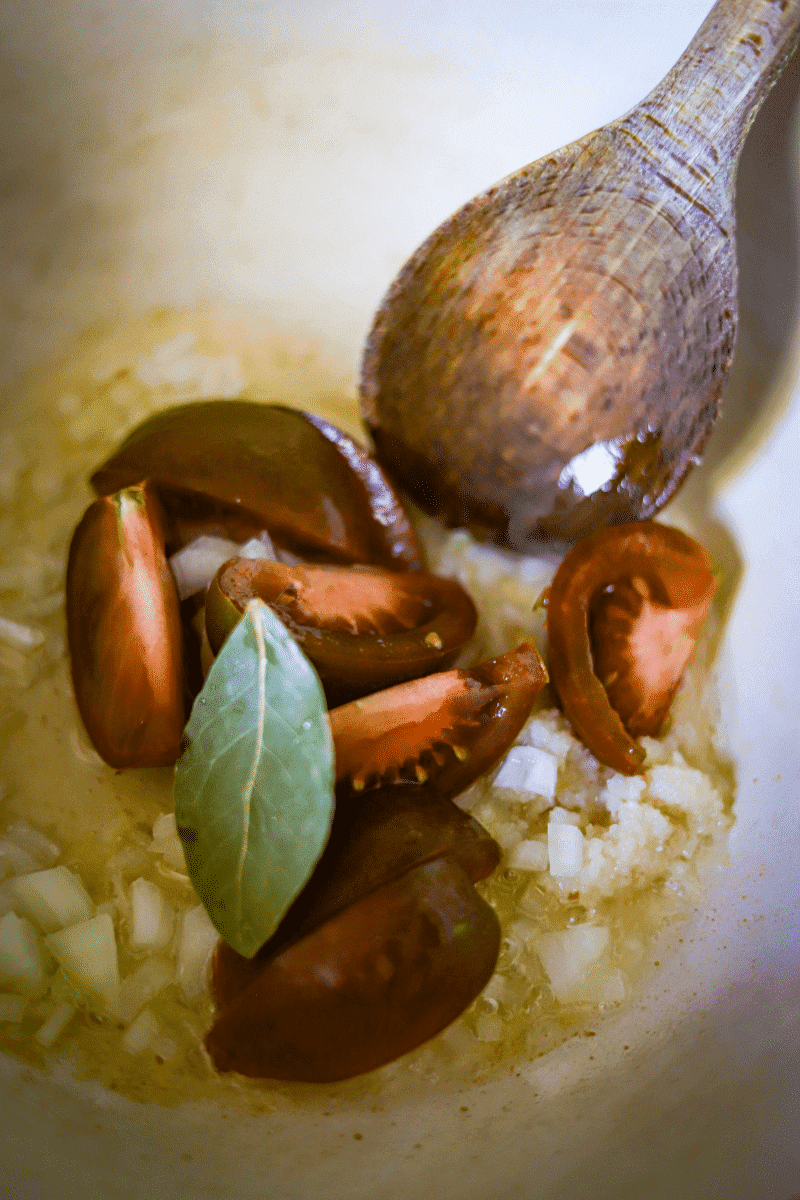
x: 273, y: 468
x: 363, y: 628
x: 124, y: 631
x: 678, y: 575
x: 372, y: 983
x: 445, y: 729
x: 376, y: 837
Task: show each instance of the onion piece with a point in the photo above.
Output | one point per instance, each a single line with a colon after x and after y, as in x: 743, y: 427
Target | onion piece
x: 38, y: 845
x: 152, y: 917
x: 197, y: 941
x: 141, y: 1032
x: 195, y: 565
x: 55, y: 1024
x: 14, y: 860
x: 54, y: 898
x: 565, y: 845
x: 567, y: 957
x: 528, y: 855
x: 528, y: 771
x: 141, y: 986
x: 20, y: 637
x: 167, y: 843
x: 88, y: 954
x: 21, y: 964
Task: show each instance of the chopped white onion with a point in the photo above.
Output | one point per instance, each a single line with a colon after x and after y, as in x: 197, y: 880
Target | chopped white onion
x: 88, y: 954
x: 496, y: 988
x: 12, y: 1008
x: 141, y: 1032
x: 258, y: 547
x: 152, y: 917
x: 164, y: 1048
x: 55, y: 1024
x: 14, y: 860
x: 194, y: 566
x: 21, y: 965
x: 565, y: 845
x: 197, y: 941
x: 20, y: 637
x: 567, y: 957
x: 564, y: 816
x: 53, y: 898
x: 167, y: 843
x: 528, y: 855
x: 141, y: 986
x: 528, y: 771
x: 38, y: 845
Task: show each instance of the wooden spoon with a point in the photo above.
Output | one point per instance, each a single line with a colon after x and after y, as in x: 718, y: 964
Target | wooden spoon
x: 552, y: 358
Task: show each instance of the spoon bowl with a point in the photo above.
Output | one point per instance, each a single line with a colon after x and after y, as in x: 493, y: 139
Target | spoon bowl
x: 552, y: 358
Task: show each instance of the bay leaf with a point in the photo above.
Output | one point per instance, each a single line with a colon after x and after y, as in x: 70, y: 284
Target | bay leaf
x: 254, y: 785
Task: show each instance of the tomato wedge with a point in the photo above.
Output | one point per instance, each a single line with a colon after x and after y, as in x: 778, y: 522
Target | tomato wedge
x: 271, y: 468
x: 445, y: 729
x: 375, y: 839
x: 124, y: 631
x: 362, y: 627
x: 373, y: 982
x: 624, y: 612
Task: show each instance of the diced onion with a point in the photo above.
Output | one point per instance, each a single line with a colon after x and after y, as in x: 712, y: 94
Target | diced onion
x: 53, y: 898
x: 567, y: 957
x: 38, y: 845
x: 195, y: 565
x: 152, y: 917
x: 197, y: 941
x: 164, y: 1048
x: 55, y: 1024
x: 564, y: 849
x: 167, y: 843
x: 257, y: 547
x: 141, y: 1032
x: 528, y: 855
x: 528, y: 771
x: 88, y: 954
x: 21, y: 965
x: 14, y: 860
x: 20, y: 637
x: 141, y: 986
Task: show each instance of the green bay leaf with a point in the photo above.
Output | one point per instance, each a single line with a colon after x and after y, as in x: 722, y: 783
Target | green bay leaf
x: 254, y: 785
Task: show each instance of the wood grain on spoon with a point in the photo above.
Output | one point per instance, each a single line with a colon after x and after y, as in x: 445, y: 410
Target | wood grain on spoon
x: 553, y: 357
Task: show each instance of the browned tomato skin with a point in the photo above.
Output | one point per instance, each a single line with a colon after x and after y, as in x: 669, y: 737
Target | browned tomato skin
x: 480, y: 712
x: 677, y: 570
x: 376, y: 838
x: 372, y: 983
x: 124, y: 632
x: 282, y: 469
x: 422, y: 623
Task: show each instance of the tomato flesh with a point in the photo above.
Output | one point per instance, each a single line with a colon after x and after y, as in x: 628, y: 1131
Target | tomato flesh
x: 445, y: 729
x: 375, y: 981
x: 124, y: 631
x: 375, y: 838
x: 269, y: 467
x: 363, y: 628
x: 625, y: 608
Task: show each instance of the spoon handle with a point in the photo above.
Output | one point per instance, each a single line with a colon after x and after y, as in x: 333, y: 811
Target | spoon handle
x: 701, y: 111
